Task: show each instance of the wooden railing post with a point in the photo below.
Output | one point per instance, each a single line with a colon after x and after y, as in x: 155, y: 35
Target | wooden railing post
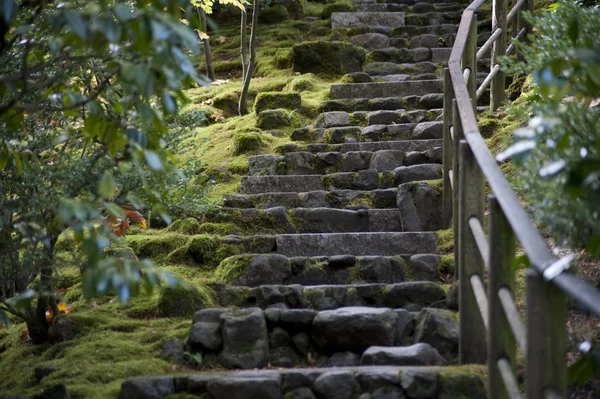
x: 546, y: 338
x: 472, y: 345
x: 498, y: 86
x: 469, y: 61
x: 447, y: 150
x: 458, y: 136
x: 501, y: 341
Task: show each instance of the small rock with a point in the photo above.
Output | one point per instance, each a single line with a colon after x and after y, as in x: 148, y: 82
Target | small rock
x: 371, y: 41
x: 278, y: 337
x: 283, y: 356
x: 205, y: 336
x: 174, y: 349
x: 272, y: 118
x: 42, y: 371
x: 388, y: 392
x: 333, y: 119
x: 300, y: 393
x: 148, y: 387
x: 428, y: 130
x: 354, y: 328
x: 245, y: 342
x: 58, y: 391
x: 414, y: 355
x: 263, y: 384
x: 302, y: 342
x: 342, y: 359
x: 438, y: 328
x: 63, y: 329
x: 420, y: 384
x: 336, y: 385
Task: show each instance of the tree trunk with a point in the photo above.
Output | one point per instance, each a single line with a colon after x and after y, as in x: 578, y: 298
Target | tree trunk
x: 210, y: 70
x: 38, y: 327
x: 244, y: 43
x: 243, y: 106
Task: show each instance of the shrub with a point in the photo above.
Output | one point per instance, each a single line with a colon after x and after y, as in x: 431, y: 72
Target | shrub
x: 557, y: 154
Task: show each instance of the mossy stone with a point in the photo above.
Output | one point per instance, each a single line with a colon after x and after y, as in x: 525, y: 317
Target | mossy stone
x: 188, y: 226
x: 247, y: 142
x: 273, y: 118
x: 275, y: 100
x: 179, y: 302
x: 274, y: 14
x: 335, y: 7
x: 330, y: 58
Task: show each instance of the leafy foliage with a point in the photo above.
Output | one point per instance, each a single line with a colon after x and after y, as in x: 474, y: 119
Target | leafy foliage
x: 559, y: 150
x: 84, y: 88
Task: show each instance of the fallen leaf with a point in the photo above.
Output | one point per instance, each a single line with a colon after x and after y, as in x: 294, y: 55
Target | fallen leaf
x: 221, y: 39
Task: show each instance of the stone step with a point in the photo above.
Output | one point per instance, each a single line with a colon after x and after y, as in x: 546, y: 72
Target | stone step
x: 333, y: 382
x: 362, y: 180
x: 415, y: 9
x: 410, y: 295
x: 382, y: 125
x: 386, y: 89
x: 438, y: 56
x: 430, y: 102
x: 390, y: 68
x: 260, y: 269
x: 400, y: 145
x: 314, y: 220
x: 309, y: 163
x: 432, y: 18
x: 413, y: 30
x: 342, y: 199
x: 359, y: 244
x: 361, y: 19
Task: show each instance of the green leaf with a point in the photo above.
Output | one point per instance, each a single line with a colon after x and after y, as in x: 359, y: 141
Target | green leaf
x: 153, y: 160
x: 18, y: 163
x: 581, y: 371
x: 122, y: 13
x: 115, y: 210
x: 573, y: 30
x: 8, y: 10
x: 77, y: 23
x: 107, y: 185
x: 4, y: 318
x: 4, y: 156
x: 521, y: 261
x: 169, y: 103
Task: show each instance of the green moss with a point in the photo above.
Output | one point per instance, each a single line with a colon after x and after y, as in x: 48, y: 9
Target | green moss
x: 335, y: 7
x: 447, y: 265
x: 183, y: 302
x: 156, y: 247
x: 204, y: 250
x: 445, y: 241
x: 363, y: 200
x: 273, y: 15
x: 189, y: 226
x: 231, y: 268
x: 107, y: 350
x: 462, y: 382
x: 247, y: 142
x: 386, y: 179
x: 218, y: 228
x: 274, y: 100
x: 302, y: 83
x: 438, y: 184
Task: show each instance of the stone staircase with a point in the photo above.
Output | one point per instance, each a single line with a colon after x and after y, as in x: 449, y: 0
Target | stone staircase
x: 342, y: 297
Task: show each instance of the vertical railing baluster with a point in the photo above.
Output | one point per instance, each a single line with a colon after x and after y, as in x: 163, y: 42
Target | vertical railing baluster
x: 501, y: 340
x: 498, y: 86
x: 472, y: 347
x: 458, y: 136
x: 447, y: 150
x: 546, y: 338
x: 469, y: 61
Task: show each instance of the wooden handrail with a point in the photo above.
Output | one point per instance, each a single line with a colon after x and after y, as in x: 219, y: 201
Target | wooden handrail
x: 490, y: 324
